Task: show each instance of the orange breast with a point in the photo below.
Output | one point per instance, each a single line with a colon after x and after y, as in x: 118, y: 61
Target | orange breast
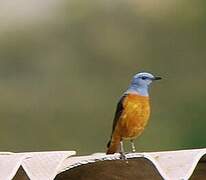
x: 134, y: 117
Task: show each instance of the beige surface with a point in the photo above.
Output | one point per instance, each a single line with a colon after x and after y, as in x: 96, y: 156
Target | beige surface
x: 9, y: 164
x: 44, y: 165
x: 174, y: 165
x: 37, y: 165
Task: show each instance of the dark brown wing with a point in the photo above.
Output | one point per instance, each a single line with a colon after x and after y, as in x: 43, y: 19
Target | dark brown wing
x: 118, y: 113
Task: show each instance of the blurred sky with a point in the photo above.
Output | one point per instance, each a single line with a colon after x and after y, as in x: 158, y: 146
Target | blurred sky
x: 64, y: 65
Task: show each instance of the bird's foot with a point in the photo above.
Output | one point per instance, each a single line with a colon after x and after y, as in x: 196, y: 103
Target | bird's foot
x: 123, y: 156
x: 133, y: 147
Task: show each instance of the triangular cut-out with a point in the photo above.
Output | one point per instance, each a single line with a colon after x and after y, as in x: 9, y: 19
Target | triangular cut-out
x: 21, y: 175
x: 200, y: 170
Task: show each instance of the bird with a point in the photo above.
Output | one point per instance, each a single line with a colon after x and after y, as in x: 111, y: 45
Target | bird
x: 132, y: 113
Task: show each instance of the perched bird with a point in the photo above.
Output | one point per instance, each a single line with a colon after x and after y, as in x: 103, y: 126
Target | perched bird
x: 132, y: 113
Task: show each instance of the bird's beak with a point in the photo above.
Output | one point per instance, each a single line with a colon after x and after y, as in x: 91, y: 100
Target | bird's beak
x: 157, y: 78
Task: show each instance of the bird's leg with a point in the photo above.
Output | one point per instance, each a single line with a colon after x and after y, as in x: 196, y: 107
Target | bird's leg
x: 133, y: 146
x: 122, y: 153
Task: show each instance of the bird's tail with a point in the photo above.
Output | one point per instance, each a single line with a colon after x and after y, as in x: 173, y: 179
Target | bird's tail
x: 113, y: 146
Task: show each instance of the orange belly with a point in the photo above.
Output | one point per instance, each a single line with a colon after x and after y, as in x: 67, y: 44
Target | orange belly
x: 134, y: 117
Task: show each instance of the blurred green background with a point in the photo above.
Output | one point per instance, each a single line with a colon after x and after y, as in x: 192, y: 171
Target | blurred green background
x: 64, y: 65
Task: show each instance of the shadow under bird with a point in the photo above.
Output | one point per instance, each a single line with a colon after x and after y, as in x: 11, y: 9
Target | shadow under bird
x: 132, y: 113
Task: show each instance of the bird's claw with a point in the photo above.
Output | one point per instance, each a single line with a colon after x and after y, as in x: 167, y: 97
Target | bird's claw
x: 123, y: 156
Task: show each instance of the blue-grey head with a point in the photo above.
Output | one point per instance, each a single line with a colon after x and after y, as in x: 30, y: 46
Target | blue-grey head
x: 141, y: 82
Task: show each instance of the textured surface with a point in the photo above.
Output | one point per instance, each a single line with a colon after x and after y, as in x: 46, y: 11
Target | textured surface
x: 113, y: 170
x: 167, y: 165
x: 170, y: 164
x: 132, y: 169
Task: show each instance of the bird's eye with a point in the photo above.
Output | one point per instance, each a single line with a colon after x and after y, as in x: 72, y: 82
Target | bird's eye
x: 144, y: 77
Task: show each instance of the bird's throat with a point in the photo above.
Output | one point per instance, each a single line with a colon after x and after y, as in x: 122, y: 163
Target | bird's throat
x: 140, y: 90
